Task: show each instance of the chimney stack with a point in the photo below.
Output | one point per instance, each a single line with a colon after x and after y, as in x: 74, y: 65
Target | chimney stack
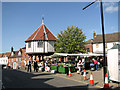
x: 94, y: 35
x: 19, y: 49
x: 11, y: 49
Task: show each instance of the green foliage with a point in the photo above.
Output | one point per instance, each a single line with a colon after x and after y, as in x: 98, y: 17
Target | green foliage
x: 70, y: 41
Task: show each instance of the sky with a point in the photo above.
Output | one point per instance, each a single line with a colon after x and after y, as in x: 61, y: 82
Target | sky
x: 21, y: 19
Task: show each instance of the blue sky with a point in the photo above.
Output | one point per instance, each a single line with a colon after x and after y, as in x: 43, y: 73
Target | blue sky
x: 21, y: 19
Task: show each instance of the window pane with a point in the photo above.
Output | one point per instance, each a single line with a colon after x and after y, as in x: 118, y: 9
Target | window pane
x: 40, y: 44
x: 29, y: 45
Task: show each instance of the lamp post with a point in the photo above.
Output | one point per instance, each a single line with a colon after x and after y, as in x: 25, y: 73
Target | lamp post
x: 103, y: 35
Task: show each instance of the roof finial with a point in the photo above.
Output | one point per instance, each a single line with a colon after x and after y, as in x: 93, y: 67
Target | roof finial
x: 42, y: 20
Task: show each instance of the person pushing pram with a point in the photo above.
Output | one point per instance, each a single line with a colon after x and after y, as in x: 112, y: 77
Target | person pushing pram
x: 92, y: 65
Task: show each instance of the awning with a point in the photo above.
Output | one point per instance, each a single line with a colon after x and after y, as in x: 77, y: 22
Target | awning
x: 80, y: 54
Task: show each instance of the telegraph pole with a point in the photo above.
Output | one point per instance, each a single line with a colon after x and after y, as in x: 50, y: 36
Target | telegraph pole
x: 103, y: 35
x: 102, y: 22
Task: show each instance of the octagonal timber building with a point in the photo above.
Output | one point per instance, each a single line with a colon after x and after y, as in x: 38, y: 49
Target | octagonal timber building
x: 41, y: 42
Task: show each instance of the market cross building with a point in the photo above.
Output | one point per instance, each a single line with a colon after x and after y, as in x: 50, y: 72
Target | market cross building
x: 40, y: 43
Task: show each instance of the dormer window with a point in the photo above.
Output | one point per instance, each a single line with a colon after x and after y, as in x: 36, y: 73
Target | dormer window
x: 12, y: 54
x: 19, y: 53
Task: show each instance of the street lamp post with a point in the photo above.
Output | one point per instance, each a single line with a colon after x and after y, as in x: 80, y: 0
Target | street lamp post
x: 103, y: 35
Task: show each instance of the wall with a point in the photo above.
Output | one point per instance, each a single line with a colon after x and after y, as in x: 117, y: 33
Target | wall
x: 4, y: 60
x: 100, y: 46
x: 90, y: 47
x: 49, y: 47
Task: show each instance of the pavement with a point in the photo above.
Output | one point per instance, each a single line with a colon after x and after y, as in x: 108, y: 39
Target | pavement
x: 97, y: 77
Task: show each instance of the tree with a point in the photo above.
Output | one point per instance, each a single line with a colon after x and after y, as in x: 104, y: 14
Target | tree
x: 70, y: 41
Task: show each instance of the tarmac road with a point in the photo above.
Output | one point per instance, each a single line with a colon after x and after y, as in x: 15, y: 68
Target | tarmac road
x: 23, y: 79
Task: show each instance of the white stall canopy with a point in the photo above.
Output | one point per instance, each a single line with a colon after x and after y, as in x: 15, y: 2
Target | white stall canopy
x: 79, y: 54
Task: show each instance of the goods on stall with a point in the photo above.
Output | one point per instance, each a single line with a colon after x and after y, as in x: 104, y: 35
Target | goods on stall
x: 53, y: 71
x: 47, y: 68
x: 54, y: 67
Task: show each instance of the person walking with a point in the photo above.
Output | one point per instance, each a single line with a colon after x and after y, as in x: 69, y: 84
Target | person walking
x: 96, y: 65
x: 79, y: 66
x: 83, y: 62
x: 29, y: 66
x: 98, y: 62
x: 35, y: 66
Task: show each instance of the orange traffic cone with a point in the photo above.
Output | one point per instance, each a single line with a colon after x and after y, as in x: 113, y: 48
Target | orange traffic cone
x: 106, y: 85
x: 69, y: 72
x: 84, y: 75
x: 91, y: 79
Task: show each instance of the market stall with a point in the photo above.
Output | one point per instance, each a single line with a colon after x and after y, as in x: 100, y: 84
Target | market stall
x: 60, y: 62
x: 113, y: 60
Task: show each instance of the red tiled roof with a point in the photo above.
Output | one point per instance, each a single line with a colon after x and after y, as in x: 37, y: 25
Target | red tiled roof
x: 3, y: 54
x: 39, y: 34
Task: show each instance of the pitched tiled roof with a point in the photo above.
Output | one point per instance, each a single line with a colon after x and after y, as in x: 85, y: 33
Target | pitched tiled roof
x: 15, y: 54
x: 39, y: 34
x: 5, y: 54
x: 90, y: 41
x: 111, y: 37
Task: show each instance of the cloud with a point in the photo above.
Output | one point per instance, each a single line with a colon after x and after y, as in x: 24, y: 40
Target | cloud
x: 110, y: 7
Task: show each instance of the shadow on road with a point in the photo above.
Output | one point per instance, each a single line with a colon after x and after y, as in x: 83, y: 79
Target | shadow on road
x: 19, y: 79
x: 13, y: 79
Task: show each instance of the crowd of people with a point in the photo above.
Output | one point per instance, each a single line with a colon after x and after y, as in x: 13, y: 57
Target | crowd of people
x: 94, y: 64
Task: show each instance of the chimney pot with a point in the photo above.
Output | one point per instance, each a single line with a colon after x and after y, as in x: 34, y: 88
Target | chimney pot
x: 94, y: 34
x: 11, y: 49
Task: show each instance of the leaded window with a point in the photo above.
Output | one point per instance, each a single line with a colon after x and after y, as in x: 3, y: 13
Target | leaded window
x: 40, y: 44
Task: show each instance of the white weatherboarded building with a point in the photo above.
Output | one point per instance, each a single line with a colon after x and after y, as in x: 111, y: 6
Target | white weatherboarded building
x: 110, y: 40
x: 41, y: 42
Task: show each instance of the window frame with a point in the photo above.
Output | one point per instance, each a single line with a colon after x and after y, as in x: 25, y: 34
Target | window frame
x: 29, y: 44
x: 40, y: 44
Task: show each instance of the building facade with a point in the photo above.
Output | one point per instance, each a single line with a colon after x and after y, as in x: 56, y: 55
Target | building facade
x: 40, y: 43
x: 95, y: 45
x: 110, y: 40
